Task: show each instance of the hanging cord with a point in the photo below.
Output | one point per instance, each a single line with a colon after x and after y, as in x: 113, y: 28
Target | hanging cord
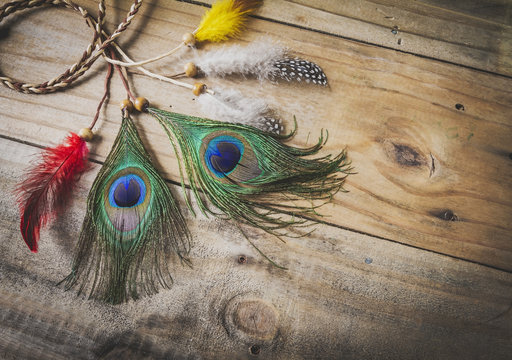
x: 144, y: 62
x: 108, y: 76
x: 88, y: 57
x: 157, y: 76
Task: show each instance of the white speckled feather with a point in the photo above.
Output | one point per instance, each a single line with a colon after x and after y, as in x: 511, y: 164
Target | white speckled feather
x: 262, y: 59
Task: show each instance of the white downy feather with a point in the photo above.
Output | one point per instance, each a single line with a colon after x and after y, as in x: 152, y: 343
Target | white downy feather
x: 263, y: 59
x: 258, y: 59
x: 231, y: 106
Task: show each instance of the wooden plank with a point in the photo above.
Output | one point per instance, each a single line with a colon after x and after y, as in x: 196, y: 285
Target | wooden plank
x: 345, y: 295
x: 420, y: 162
x: 477, y: 34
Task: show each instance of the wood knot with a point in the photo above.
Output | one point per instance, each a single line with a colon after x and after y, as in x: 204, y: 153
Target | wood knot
x: 256, y: 318
x: 407, y: 156
x: 251, y: 319
x: 404, y: 155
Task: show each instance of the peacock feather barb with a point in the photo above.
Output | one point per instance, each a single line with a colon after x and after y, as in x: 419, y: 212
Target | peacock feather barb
x: 132, y: 224
x: 249, y: 174
x: 225, y: 19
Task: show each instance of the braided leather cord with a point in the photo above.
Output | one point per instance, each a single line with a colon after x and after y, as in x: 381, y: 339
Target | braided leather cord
x: 94, y: 50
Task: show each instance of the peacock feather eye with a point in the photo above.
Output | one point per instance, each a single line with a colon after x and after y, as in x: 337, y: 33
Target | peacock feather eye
x: 228, y: 157
x: 127, y: 196
x: 223, y: 154
x: 126, y: 191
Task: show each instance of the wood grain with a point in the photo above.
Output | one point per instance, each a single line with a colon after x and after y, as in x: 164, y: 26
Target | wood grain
x: 415, y: 261
x: 417, y: 157
x: 345, y: 295
x: 477, y: 34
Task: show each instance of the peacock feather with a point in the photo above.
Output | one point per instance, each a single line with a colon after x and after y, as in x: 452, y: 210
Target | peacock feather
x: 131, y: 225
x: 249, y: 174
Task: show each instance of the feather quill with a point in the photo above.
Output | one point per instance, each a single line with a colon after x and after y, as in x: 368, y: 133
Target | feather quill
x: 48, y: 185
x: 263, y: 59
x: 231, y: 106
x: 225, y: 19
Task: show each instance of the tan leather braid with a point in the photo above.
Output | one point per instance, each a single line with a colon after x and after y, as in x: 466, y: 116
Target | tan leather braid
x: 87, y: 59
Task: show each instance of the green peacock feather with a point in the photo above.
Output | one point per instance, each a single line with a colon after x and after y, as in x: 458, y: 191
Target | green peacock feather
x: 131, y: 226
x: 249, y: 174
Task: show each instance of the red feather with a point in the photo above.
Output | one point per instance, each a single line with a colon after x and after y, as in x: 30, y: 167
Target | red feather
x: 48, y: 184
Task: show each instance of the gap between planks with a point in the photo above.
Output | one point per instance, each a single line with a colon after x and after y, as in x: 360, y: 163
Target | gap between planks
x: 360, y: 41
x: 175, y: 183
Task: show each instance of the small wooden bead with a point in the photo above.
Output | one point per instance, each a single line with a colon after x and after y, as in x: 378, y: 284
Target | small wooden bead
x: 198, y: 89
x: 86, y: 134
x: 141, y: 104
x: 189, y: 39
x: 127, y: 105
x: 190, y: 69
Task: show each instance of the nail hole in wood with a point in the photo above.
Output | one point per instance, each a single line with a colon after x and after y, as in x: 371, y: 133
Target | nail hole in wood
x: 399, y: 41
x: 394, y: 31
x: 459, y: 107
x: 368, y: 260
x: 449, y: 215
x: 255, y: 349
x: 242, y: 259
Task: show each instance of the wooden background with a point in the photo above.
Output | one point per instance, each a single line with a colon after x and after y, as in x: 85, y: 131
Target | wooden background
x: 415, y: 261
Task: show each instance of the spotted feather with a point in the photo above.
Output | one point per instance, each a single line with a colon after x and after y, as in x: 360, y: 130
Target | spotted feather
x: 297, y: 69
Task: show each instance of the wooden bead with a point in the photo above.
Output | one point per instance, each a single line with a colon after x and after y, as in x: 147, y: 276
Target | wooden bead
x: 141, y: 104
x: 86, y: 134
x: 127, y: 105
x: 198, y: 89
x: 190, y: 69
x: 189, y: 39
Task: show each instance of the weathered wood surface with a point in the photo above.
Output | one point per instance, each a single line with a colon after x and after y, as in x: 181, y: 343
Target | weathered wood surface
x: 473, y: 33
x: 345, y: 295
x: 431, y: 181
x: 417, y: 156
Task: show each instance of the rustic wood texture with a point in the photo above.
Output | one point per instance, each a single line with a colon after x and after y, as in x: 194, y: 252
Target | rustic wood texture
x: 475, y: 33
x: 415, y: 261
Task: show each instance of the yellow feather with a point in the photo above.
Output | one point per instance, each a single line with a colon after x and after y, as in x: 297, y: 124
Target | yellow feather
x: 225, y: 19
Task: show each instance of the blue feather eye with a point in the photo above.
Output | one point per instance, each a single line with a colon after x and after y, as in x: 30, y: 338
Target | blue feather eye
x: 127, y: 191
x: 127, y: 196
x: 229, y: 158
x: 223, y: 154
